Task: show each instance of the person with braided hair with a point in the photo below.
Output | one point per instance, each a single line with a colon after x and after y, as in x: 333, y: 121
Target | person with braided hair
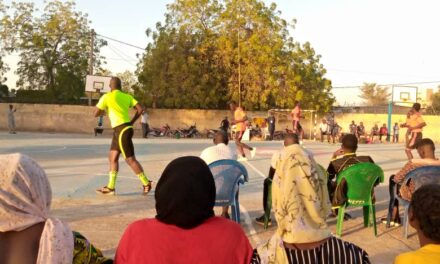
x: 424, y: 216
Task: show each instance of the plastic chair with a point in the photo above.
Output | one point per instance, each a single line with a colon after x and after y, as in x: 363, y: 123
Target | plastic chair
x: 420, y: 176
x: 360, y: 179
x: 269, y: 199
x: 228, y: 175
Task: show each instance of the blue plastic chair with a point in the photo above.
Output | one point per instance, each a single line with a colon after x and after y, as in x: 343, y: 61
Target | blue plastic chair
x: 228, y: 175
x: 420, y: 176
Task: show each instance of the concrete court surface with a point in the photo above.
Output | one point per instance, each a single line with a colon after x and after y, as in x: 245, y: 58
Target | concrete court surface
x: 77, y: 165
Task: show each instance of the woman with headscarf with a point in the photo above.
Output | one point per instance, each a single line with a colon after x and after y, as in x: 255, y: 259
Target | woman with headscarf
x: 185, y: 229
x: 301, y: 205
x: 27, y: 233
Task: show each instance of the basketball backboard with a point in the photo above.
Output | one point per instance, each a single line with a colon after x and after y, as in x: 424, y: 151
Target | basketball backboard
x: 404, y: 95
x: 98, y: 84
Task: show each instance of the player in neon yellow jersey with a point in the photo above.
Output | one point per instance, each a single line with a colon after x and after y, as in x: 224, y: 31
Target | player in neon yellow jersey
x: 117, y: 105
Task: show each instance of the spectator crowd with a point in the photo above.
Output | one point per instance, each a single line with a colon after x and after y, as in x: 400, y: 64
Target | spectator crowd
x: 185, y: 229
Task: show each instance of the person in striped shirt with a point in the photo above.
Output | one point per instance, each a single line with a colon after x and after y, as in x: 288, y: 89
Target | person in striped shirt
x: 301, y: 206
x: 426, y: 150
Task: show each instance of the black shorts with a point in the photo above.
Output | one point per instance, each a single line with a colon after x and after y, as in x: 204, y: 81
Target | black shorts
x: 122, y: 140
x: 414, y: 138
x: 296, y: 125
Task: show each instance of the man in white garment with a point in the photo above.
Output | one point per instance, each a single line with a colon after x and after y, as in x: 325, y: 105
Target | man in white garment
x: 220, y: 151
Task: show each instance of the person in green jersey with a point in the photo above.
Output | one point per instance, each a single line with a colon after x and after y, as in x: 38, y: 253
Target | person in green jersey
x: 117, y: 105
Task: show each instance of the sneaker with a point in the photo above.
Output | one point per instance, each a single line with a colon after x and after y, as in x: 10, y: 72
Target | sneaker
x: 253, y: 152
x: 147, y: 188
x: 260, y: 221
x: 242, y: 159
x: 106, y: 191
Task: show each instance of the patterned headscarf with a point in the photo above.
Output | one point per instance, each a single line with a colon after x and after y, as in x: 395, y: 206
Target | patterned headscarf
x: 25, y: 198
x: 300, y: 203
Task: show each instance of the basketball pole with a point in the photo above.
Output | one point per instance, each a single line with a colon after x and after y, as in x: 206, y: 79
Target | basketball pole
x: 390, y: 112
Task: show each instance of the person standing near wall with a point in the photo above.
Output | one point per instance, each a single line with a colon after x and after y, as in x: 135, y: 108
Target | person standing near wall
x: 145, y: 126
x: 11, y: 119
x: 271, y: 125
x: 224, y: 125
x: 396, y: 133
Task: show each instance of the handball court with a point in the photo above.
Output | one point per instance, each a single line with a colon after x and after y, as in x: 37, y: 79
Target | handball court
x: 77, y: 165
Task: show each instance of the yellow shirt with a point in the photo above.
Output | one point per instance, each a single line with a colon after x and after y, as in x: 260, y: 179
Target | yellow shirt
x: 239, y: 114
x: 117, y: 104
x: 427, y: 254
x: 415, y: 120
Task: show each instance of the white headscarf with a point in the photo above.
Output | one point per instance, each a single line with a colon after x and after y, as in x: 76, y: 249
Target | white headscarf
x: 25, y: 198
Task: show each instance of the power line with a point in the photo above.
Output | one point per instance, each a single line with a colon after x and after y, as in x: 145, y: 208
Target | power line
x: 121, y: 42
x: 409, y: 83
x: 120, y: 56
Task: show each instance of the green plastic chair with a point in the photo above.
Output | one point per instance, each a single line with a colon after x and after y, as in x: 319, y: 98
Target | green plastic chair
x: 269, y: 199
x: 360, y: 180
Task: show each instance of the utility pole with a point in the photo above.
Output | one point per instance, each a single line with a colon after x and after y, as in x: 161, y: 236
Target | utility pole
x: 92, y: 44
x: 91, y: 61
x: 239, y: 68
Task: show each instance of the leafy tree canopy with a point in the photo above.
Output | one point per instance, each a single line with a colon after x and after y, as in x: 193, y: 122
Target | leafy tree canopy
x: 372, y: 94
x: 206, y: 49
x: 53, y: 45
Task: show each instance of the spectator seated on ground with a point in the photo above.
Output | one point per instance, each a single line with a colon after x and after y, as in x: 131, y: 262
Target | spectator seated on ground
x: 360, y: 130
x: 383, y: 132
x: 220, y: 151
x: 426, y: 151
x: 342, y: 159
x: 185, y: 229
x: 289, y: 139
x: 424, y: 216
x: 301, y: 206
x: 27, y: 233
x: 374, y: 132
x: 353, y: 128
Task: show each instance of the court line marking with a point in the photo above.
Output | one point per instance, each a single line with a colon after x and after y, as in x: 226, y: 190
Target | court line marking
x: 47, y: 150
x: 256, y: 170
x: 248, y: 222
x: 49, y: 171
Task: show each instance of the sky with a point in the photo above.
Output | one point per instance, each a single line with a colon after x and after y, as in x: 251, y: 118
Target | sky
x: 392, y: 41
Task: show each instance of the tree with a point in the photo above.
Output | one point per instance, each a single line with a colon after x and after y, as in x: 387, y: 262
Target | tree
x: 209, y: 50
x: 53, y: 46
x: 128, y: 80
x: 436, y: 102
x: 3, y: 67
x: 4, y: 90
x: 374, y: 94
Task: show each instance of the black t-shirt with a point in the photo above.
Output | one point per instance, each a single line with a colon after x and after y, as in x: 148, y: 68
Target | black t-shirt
x: 271, y: 121
x: 225, y: 124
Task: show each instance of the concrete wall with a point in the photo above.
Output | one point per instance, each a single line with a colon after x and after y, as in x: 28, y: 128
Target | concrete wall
x: 79, y: 119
